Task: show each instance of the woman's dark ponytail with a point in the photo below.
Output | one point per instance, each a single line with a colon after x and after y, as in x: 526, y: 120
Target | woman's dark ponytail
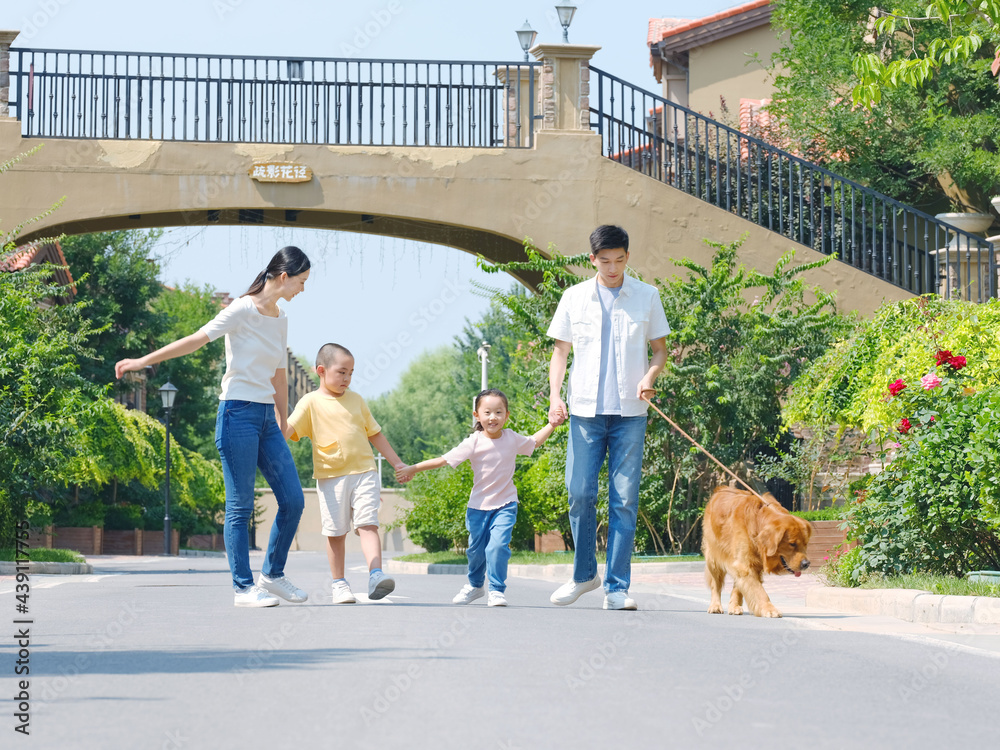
x: 288, y: 260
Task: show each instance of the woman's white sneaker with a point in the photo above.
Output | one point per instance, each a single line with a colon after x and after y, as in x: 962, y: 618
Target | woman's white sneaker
x: 282, y: 587
x: 255, y: 596
x: 469, y: 593
x: 496, y: 599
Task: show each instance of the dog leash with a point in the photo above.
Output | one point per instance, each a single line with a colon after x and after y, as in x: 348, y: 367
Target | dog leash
x: 699, y: 447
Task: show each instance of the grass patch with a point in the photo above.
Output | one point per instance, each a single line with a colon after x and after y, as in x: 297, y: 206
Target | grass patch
x: 935, y: 584
x: 522, y: 557
x: 45, y: 555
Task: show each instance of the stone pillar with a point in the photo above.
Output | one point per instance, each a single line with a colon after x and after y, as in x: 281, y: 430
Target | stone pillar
x: 518, y: 105
x: 6, y: 39
x: 565, y: 85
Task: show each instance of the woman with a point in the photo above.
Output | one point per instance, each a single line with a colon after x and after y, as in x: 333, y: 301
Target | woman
x: 253, y: 411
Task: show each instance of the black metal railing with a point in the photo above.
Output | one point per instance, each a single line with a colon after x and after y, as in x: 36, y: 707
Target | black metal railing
x: 80, y: 94
x: 789, y: 195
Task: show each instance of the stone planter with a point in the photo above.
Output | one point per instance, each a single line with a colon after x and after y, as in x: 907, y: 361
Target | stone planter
x: 964, y: 263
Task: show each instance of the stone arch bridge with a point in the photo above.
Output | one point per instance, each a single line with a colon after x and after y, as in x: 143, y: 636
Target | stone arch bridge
x: 476, y: 156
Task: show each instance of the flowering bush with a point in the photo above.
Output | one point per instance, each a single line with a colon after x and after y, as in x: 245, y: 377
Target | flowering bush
x: 934, y: 507
x: 923, y: 407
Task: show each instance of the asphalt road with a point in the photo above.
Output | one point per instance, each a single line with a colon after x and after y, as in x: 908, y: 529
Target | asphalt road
x: 151, y: 653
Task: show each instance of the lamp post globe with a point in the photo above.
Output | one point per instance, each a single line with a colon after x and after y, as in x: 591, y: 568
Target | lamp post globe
x: 168, y: 392
x: 526, y: 38
x: 565, y: 12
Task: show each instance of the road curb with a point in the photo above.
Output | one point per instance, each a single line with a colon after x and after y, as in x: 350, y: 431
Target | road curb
x: 912, y: 605
x: 8, y: 568
x: 557, y: 571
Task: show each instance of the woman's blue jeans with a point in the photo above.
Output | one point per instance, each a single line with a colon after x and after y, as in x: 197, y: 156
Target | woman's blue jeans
x: 248, y: 437
x: 621, y: 439
x: 489, y: 544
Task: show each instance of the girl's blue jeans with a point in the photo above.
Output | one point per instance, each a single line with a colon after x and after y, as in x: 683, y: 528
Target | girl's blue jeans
x: 489, y: 544
x: 621, y: 439
x: 248, y: 437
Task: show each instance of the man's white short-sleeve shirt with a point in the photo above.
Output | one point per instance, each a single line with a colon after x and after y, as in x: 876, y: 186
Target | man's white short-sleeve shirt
x: 637, y: 318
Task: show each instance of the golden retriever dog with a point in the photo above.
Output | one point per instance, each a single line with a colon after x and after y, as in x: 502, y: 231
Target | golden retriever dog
x: 747, y: 537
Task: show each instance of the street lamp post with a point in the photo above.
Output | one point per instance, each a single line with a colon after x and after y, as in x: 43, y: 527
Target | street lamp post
x: 526, y: 37
x: 168, y: 392
x: 483, y: 352
x: 565, y: 12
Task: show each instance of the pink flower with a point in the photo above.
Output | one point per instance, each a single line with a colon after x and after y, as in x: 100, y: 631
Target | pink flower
x: 930, y: 381
x: 957, y: 363
x: 895, y: 388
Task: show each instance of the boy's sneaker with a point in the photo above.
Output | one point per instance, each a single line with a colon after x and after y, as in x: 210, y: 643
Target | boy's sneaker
x: 496, y: 599
x: 379, y: 585
x: 469, y: 593
x: 570, y: 592
x: 342, y: 593
x: 282, y: 587
x: 619, y: 600
x: 255, y: 596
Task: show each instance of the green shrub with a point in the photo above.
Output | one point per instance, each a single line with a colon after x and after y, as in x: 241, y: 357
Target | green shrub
x: 831, y: 513
x: 437, y: 519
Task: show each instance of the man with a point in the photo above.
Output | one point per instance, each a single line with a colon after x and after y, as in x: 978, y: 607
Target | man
x: 607, y: 321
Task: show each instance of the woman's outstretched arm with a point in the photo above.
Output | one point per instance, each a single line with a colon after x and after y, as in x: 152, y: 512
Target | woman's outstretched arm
x: 178, y: 348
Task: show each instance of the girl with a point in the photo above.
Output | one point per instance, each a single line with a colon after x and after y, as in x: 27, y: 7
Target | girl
x: 253, y: 411
x: 492, y: 507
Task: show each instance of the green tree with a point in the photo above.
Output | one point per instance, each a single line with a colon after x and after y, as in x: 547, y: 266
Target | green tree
x: 118, y: 278
x: 427, y: 413
x: 957, y: 29
x: 930, y: 147
x: 183, y: 311
x: 43, y: 399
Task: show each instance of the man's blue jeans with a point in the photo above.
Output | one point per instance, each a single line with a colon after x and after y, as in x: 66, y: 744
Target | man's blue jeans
x: 621, y: 439
x: 247, y: 436
x: 489, y: 544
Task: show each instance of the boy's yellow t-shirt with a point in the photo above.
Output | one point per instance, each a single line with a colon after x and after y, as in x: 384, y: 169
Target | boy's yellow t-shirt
x: 339, y: 427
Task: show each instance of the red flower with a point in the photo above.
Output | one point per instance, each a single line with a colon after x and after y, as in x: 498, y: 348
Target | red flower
x: 904, y: 425
x: 957, y: 363
x: 942, y: 356
x: 895, y: 388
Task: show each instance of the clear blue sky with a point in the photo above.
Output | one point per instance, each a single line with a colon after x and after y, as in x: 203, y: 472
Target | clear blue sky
x: 364, y: 291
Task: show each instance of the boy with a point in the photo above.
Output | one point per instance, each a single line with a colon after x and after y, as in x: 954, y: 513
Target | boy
x: 607, y: 322
x: 340, y: 426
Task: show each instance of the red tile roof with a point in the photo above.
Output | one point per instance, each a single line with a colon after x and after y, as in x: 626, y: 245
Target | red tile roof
x: 658, y: 27
x: 687, y: 25
x: 37, y: 252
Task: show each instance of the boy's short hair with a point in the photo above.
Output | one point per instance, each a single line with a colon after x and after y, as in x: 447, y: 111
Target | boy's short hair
x: 326, y: 353
x: 608, y: 237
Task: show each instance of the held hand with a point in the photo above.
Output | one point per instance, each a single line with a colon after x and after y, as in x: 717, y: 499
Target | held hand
x: 557, y: 410
x: 645, y: 390
x: 404, y: 474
